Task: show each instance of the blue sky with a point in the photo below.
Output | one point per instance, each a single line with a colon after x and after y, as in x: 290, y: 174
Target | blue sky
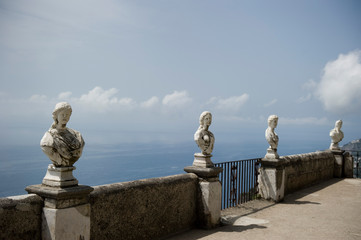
x: 145, y: 70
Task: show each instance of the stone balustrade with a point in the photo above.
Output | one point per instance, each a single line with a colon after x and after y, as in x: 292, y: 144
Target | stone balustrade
x: 150, y: 208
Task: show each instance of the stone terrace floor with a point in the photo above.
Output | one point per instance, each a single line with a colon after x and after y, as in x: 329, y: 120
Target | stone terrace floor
x: 329, y: 210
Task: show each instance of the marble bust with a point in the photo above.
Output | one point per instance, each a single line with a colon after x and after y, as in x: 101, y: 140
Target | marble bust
x: 203, y: 137
x: 336, y: 135
x: 272, y: 137
x: 61, y: 144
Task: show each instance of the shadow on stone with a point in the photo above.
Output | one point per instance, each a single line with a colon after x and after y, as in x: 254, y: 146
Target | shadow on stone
x: 240, y: 228
x: 300, y: 202
x: 292, y: 198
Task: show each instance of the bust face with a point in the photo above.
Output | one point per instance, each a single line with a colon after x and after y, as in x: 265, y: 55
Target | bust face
x: 273, y: 123
x: 338, y: 125
x: 64, y: 116
x: 207, y: 120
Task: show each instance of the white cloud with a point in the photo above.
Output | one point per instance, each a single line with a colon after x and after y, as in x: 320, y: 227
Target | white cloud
x: 340, y: 86
x: 310, y: 85
x: 104, y: 100
x: 176, y: 99
x: 271, y: 103
x: 127, y: 102
x: 304, y: 121
x: 231, y: 104
x: 100, y: 96
x: 38, y: 98
x: 151, y: 102
x: 64, y: 95
x: 303, y: 99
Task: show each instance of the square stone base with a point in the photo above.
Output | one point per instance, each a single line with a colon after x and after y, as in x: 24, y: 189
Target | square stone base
x: 68, y: 223
x: 210, y: 207
x: 201, y: 160
x: 271, y: 182
x: 60, y: 177
x: 338, y: 165
x: 271, y: 154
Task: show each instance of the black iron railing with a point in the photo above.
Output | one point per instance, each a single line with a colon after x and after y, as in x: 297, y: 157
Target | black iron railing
x: 357, y: 163
x: 239, y: 181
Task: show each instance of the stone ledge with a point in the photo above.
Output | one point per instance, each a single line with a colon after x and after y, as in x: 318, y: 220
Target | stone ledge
x: 113, y: 188
x: 59, y: 193
x: 204, y: 172
x: 13, y: 201
x: 59, y: 198
x: 266, y: 162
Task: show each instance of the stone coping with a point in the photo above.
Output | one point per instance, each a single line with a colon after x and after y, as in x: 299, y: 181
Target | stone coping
x: 117, y: 187
x: 292, y: 159
x: 59, y: 193
x: 204, y: 172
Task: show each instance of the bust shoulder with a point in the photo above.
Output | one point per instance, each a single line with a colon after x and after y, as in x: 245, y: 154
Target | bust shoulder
x: 47, y: 140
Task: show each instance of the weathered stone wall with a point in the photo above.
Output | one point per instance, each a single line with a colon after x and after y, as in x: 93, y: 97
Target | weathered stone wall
x: 20, y: 217
x: 144, y: 209
x: 302, y: 170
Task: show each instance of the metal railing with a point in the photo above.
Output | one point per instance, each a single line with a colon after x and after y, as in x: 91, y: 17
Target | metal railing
x: 239, y: 181
x: 357, y: 163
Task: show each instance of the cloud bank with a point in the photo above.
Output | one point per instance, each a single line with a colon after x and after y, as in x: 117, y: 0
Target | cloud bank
x: 176, y: 99
x: 340, y: 87
x: 230, y: 104
x: 304, y: 121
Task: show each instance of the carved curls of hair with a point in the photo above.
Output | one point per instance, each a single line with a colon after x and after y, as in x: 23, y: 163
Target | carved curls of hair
x: 272, y: 118
x: 58, y: 108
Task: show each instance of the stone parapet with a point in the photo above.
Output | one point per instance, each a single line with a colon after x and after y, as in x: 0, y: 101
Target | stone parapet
x: 20, y: 217
x: 290, y: 173
x: 144, y: 209
x: 302, y: 170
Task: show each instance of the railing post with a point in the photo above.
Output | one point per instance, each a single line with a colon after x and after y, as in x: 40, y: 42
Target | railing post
x: 272, y: 172
x: 210, y: 194
x: 348, y: 165
x: 271, y: 180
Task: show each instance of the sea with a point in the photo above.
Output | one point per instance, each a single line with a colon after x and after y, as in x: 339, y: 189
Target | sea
x: 21, y: 166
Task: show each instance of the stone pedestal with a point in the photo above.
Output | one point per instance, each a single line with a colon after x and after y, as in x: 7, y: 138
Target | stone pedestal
x: 348, y: 165
x: 210, y: 196
x: 271, y: 154
x: 203, y: 161
x: 271, y: 179
x: 60, y: 177
x: 334, y: 147
x: 338, y: 166
x: 68, y: 223
x: 66, y: 212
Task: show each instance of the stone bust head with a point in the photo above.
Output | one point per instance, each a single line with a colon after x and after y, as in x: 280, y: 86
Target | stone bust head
x: 203, y: 137
x: 336, y: 135
x: 205, y: 119
x: 61, y: 114
x: 271, y: 136
x: 61, y: 144
x: 272, y: 121
x: 338, y: 124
